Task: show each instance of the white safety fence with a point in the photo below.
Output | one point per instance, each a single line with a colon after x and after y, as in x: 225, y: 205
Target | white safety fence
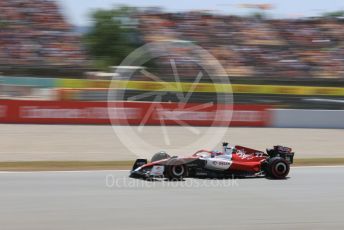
x: 299, y: 118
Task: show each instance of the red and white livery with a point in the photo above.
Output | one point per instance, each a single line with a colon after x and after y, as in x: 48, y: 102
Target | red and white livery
x: 235, y: 161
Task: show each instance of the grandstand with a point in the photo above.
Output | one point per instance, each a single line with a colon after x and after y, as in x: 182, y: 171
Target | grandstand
x: 256, y: 47
x: 35, y: 38
x: 34, y: 35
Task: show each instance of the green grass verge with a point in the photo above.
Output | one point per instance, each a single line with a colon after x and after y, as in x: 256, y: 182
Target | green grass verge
x: 112, y: 165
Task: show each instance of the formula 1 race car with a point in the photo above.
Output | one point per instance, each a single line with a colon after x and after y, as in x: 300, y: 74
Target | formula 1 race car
x: 235, y: 161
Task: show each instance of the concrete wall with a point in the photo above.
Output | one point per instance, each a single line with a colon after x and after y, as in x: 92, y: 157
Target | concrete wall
x: 290, y: 118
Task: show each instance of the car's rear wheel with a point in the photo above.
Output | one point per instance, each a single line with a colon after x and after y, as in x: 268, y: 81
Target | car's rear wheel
x: 160, y: 156
x: 278, y: 168
x: 176, y: 171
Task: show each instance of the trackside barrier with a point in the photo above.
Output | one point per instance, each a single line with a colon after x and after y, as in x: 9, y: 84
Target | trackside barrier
x: 131, y: 113
x: 201, y: 87
x: 299, y: 118
x: 171, y: 86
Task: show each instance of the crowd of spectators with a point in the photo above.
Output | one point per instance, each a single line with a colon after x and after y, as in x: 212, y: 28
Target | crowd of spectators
x: 34, y: 33
x: 254, y: 46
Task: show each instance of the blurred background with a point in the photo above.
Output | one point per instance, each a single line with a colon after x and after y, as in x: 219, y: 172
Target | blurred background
x: 44, y: 44
x: 60, y: 61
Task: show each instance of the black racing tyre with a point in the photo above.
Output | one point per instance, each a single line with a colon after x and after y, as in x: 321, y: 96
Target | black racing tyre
x: 178, y: 171
x: 160, y: 156
x: 278, y: 168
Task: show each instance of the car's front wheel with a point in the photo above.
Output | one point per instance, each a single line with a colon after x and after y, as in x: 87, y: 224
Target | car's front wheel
x: 176, y: 171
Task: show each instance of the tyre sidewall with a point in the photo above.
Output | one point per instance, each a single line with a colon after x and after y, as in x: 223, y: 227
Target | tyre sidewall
x: 171, y: 171
x: 273, y: 171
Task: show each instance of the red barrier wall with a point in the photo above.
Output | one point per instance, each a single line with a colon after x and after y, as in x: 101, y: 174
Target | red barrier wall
x: 131, y: 113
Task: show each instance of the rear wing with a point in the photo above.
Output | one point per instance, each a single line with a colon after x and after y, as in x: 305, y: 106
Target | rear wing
x: 281, y: 151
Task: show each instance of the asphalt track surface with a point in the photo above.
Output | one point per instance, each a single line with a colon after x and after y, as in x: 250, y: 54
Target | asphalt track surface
x: 312, y: 198
x: 100, y: 143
